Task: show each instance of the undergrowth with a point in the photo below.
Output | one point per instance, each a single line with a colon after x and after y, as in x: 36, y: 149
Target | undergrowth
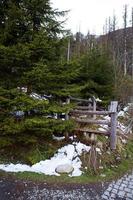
x: 112, y: 169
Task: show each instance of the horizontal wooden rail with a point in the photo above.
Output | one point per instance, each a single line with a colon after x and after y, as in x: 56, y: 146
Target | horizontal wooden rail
x: 84, y: 107
x: 92, y: 121
x: 90, y: 112
x: 92, y: 131
x: 82, y: 100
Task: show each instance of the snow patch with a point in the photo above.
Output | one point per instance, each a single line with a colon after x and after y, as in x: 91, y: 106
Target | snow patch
x: 37, y: 96
x: 102, y: 129
x: 126, y: 108
x: 68, y: 154
x: 58, y: 138
x: 121, y: 113
x: 98, y: 100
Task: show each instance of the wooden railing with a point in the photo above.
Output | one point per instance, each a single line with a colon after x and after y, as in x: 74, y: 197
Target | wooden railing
x: 85, y: 110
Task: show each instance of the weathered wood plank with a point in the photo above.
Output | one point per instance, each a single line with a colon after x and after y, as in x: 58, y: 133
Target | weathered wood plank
x: 113, y: 128
x: 93, y: 131
x: 67, y: 118
x: 82, y: 100
x: 92, y: 121
x: 84, y: 107
x: 90, y: 112
x: 94, y: 109
x: 113, y: 106
x: 66, y: 115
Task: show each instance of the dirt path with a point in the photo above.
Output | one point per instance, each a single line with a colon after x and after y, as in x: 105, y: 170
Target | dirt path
x: 11, y: 189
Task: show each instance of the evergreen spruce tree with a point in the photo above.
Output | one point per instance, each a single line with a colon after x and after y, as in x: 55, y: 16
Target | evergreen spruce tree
x: 97, y: 74
x: 28, y: 33
x: 30, y: 51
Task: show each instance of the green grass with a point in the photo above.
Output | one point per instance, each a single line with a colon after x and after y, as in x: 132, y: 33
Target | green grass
x: 65, y: 179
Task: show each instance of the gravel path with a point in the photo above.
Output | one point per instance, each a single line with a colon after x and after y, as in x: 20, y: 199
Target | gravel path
x: 11, y: 189
x: 25, y: 190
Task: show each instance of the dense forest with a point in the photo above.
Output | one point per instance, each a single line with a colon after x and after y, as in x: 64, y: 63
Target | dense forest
x: 42, y: 64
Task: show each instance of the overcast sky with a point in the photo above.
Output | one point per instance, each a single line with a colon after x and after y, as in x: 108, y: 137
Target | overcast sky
x: 90, y: 15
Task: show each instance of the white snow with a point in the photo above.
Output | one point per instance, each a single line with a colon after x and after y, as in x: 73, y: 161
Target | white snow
x: 98, y: 100
x: 121, y: 126
x: 98, y: 150
x: 68, y: 154
x: 72, y: 137
x: 121, y: 113
x: 23, y: 89
x: 37, y: 96
x: 126, y: 108
x: 58, y: 138
x: 63, y: 137
x: 102, y: 129
x: 107, y: 118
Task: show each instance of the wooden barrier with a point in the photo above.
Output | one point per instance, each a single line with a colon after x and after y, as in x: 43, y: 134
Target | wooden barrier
x: 112, y: 123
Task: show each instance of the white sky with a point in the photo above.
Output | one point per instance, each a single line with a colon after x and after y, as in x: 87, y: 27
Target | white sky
x: 90, y: 15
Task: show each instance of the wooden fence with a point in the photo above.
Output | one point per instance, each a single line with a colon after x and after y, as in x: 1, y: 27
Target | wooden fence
x: 90, y: 110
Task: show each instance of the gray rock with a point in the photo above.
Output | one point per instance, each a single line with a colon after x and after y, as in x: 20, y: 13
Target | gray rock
x: 66, y: 168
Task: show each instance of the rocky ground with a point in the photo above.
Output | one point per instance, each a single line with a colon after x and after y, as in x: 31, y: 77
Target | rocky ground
x: 11, y: 189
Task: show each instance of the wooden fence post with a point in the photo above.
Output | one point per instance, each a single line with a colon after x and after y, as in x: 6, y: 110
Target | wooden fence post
x: 94, y: 107
x: 67, y: 117
x: 113, y: 128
